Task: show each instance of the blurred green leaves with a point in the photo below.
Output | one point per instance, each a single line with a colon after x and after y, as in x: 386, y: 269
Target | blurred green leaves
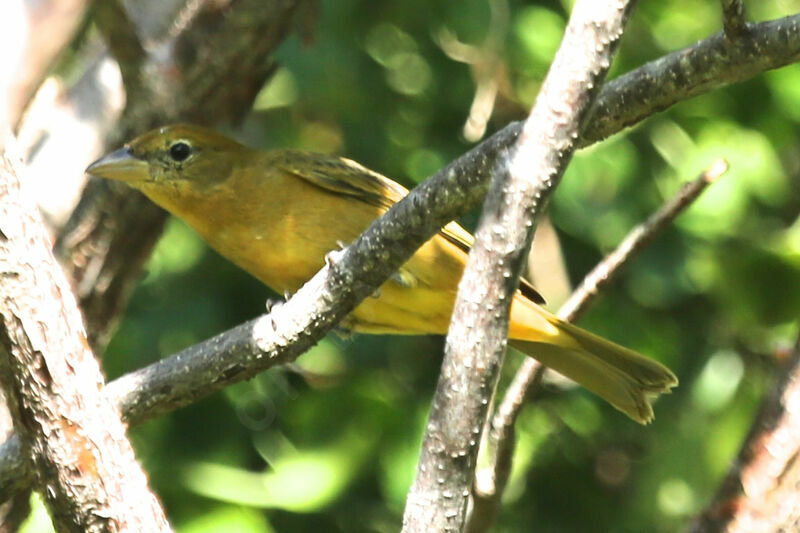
x: 297, y: 480
x: 180, y: 251
x: 407, y: 72
x: 538, y: 31
x: 755, y: 176
x: 281, y: 91
x: 231, y: 519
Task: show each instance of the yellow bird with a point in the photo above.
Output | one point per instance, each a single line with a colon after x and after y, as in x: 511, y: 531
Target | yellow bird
x: 277, y: 213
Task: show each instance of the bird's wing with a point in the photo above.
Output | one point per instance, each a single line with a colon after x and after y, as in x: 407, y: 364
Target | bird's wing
x: 344, y: 176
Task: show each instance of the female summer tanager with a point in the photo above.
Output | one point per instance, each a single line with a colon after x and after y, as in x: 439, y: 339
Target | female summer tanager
x: 277, y: 213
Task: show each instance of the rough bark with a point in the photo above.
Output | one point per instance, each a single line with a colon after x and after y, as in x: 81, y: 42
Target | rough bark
x: 85, y: 466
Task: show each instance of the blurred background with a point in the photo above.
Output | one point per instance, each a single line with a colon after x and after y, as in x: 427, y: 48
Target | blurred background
x: 404, y: 88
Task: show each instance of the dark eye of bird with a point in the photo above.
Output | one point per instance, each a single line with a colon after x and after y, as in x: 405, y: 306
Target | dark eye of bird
x: 180, y: 151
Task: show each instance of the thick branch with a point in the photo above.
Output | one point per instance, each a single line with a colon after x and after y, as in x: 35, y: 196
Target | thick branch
x: 491, y: 481
x: 49, y: 27
x: 476, y: 341
x: 85, y: 467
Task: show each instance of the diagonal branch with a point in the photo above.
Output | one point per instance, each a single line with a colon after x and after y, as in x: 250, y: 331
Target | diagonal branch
x: 636, y: 240
x: 49, y: 25
x: 491, y: 481
x: 694, y: 70
x: 759, y: 493
x: 521, y: 188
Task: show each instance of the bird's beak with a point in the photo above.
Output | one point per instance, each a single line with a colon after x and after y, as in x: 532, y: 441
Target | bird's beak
x: 120, y: 165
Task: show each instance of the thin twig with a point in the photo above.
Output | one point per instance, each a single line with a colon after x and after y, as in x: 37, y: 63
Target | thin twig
x: 491, y: 481
x: 521, y: 188
x: 733, y: 18
x: 486, y: 66
x: 637, y: 239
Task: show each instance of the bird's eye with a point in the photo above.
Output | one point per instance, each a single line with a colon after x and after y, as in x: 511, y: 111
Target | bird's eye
x: 180, y: 151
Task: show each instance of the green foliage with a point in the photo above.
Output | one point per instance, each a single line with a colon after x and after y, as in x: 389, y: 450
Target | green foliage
x: 333, y: 448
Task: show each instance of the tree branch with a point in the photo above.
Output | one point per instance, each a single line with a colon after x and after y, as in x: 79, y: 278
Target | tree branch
x: 491, y: 481
x: 694, y: 70
x: 122, y: 39
x: 85, y: 466
x: 759, y: 493
x: 521, y: 188
x: 50, y: 26
x: 733, y: 18
x: 636, y: 240
x: 16, y: 508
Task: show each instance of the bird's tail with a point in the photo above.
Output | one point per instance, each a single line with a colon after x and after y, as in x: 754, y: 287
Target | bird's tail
x: 622, y: 377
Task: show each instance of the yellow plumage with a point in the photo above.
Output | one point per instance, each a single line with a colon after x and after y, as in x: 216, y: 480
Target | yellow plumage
x: 277, y: 213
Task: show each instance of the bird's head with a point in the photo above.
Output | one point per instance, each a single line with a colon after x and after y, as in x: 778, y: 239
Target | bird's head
x: 175, y: 156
